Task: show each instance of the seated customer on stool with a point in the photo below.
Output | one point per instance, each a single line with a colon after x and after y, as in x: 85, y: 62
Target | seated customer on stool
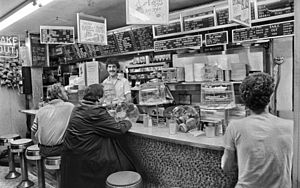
x: 260, y: 145
x: 51, y: 121
x: 92, y: 147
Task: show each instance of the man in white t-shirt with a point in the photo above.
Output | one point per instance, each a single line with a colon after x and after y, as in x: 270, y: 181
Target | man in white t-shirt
x: 116, y: 88
x: 51, y: 121
x: 260, y: 145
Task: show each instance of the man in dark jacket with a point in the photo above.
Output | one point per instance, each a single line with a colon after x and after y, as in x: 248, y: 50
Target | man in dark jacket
x: 92, y: 150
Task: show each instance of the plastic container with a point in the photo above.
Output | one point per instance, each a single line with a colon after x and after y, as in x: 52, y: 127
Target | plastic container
x: 173, y: 128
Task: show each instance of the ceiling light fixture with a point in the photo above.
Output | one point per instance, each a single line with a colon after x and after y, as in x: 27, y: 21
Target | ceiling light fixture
x: 21, y: 13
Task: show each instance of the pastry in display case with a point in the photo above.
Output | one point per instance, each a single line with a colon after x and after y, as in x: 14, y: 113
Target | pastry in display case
x: 217, y: 95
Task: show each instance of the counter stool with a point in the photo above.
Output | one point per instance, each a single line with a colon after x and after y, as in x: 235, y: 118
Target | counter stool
x: 19, y: 146
x: 53, y: 163
x: 124, y: 179
x: 5, y: 141
x: 33, y: 153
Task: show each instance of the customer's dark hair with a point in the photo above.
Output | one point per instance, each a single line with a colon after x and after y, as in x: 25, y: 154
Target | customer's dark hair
x: 112, y: 61
x: 93, y: 92
x: 256, y: 91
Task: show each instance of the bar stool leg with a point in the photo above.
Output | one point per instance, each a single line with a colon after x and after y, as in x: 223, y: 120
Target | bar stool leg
x: 12, y: 174
x: 25, y: 181
x: 58, y: 178
x: 41, y: 175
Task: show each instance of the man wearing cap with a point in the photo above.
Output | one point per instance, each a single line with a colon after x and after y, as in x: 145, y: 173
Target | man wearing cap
x: 92, y: 146
x: 119, y: 86
x: 51, y: 121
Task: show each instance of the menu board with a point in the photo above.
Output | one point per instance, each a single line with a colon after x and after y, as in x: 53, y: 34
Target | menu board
x: 111, y: 47
x: 125, y: 42
x: 143, y: 38
x: 263, y: 31
x: 198, y: 23
x: 212, y: 39
x: 268, y: 9
x: 9, y: 46
x: 57, y: 35
x: 177, y: 43
x: 222, y: 16
x: 38, y: 51
x: 173, y: 27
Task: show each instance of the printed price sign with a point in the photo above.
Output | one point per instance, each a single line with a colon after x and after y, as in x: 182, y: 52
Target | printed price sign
x: 147, y: 11
x: 57, y: 35
x: 240, y: 12
x: 91, y: 29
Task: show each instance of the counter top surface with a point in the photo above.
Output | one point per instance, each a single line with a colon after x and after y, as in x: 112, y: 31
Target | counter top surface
x: 202, y: 141
x: 163, y: 134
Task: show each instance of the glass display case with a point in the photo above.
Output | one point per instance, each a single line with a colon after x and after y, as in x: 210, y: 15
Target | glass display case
x: 217, y: 95
x: 152, y: 93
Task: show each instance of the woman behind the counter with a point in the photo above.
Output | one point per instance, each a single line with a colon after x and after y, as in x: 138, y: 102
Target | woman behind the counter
x: 92, y: 150
x: 261, y: 144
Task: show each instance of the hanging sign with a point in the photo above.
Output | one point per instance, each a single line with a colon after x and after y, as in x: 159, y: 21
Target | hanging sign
x: 147, y: 11
x: 91, y: 29
x: 57, y: 35
x: 9, y: 46
x: 240, y: 12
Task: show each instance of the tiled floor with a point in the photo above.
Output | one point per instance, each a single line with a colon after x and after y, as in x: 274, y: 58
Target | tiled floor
x: 14, y: 182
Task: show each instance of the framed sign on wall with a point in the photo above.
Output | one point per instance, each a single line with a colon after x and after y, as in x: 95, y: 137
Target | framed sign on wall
x: 57, y: 35
x: 91, y: 29
x: 147, y: 11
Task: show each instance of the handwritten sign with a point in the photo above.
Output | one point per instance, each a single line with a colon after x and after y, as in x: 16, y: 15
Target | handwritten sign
x: 147, y: 11
x: 57, y: 35
x: 218, y: 38
x: 91, y: 29
x: 9, y: 46
x: 240, y: 12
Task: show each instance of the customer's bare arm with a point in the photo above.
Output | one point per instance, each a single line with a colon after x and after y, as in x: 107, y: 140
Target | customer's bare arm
x: 229, y: 160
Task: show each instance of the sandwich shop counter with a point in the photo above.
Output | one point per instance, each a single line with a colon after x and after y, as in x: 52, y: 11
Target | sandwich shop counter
x: 177, y: 160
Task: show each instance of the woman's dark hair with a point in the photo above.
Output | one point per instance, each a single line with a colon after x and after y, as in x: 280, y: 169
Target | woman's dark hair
x: 256, y: 91
x: 112, y: 61
x: 93, y: 92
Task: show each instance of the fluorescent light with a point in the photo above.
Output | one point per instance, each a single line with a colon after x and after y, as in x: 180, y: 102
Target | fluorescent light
x: 26, y: 10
